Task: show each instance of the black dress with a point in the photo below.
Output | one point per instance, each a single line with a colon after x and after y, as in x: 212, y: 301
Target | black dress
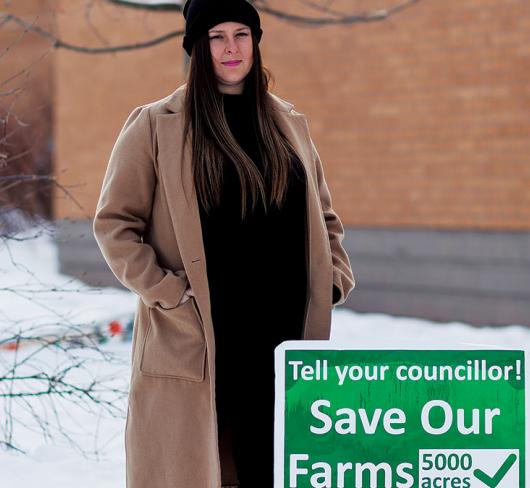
x: 258, y: 290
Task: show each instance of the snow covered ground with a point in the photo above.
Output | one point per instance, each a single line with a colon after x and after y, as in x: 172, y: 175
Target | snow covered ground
x: 34, y: 294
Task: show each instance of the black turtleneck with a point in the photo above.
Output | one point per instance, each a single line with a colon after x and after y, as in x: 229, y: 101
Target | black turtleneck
x: 256, y: 268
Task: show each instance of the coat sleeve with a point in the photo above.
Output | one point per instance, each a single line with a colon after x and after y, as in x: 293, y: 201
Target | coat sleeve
x: 123, y: 213
x: 343, y: 279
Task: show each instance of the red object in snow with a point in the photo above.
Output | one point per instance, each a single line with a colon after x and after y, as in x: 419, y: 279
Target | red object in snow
x: 115, y: 327
x: 11, y: 346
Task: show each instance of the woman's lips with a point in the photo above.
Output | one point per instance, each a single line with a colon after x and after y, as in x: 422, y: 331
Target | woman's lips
x: 232, y: 63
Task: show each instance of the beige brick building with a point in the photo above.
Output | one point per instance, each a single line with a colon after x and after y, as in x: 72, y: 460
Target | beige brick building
x: 26, y: 62
x: 422, y: 122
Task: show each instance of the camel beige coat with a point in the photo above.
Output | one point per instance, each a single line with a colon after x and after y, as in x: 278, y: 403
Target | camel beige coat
x: 148, y: 228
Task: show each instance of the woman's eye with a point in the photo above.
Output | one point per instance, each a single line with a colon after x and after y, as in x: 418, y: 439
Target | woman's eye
x: 240, y: 34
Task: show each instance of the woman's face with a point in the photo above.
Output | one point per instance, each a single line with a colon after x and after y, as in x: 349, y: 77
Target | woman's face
x: 231, y: 41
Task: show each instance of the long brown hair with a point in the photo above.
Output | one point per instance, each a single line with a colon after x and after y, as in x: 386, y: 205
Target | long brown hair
x: 212, y: 140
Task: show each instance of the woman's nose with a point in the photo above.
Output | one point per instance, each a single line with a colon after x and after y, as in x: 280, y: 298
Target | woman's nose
x: 231, y: 45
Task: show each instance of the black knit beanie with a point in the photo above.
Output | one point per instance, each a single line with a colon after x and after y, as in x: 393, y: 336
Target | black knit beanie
x: 202, y: 15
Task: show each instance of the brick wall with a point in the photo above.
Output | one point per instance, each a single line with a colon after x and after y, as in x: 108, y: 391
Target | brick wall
x: 421, y: 120
x: 25, y: 112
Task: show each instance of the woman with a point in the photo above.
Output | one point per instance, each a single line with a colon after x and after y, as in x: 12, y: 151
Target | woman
x: 215, y: 211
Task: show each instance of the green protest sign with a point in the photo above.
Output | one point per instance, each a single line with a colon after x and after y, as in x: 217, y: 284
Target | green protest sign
x: 426, y: 418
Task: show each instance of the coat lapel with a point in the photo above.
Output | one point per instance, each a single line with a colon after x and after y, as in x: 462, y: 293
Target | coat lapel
x: 174, y: 167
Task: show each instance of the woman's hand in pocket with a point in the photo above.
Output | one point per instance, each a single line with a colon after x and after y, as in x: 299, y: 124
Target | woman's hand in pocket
x: 188, y: 293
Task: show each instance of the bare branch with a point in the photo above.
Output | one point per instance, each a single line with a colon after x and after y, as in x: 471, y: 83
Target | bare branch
x: 337, y: 19
x: 58, y: 43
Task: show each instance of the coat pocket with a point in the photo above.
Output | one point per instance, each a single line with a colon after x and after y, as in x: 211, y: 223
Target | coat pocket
x: 174, y: 344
